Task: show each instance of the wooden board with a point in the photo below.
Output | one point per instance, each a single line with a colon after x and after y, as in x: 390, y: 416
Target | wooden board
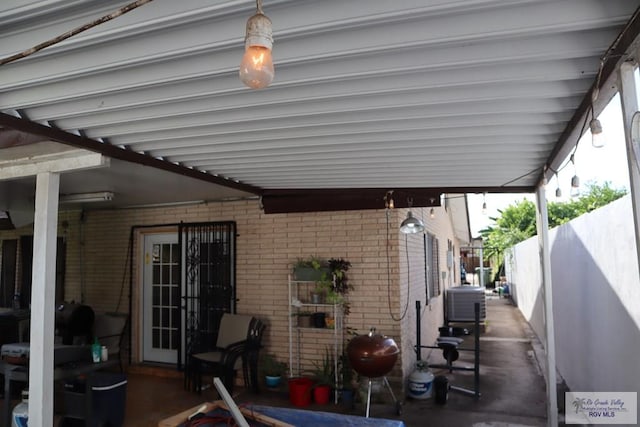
x: 178, y: 419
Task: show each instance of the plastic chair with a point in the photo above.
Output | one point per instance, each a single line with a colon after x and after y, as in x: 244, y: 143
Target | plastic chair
x: 237, y: 346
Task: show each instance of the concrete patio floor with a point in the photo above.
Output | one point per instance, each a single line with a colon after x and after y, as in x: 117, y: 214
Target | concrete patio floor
x: 512, y: 387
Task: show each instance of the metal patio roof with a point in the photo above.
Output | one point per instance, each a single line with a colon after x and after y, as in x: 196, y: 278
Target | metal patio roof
x: 420, y: 96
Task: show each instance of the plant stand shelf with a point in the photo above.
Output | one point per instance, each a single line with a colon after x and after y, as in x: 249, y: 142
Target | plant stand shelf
x: 302, y: 339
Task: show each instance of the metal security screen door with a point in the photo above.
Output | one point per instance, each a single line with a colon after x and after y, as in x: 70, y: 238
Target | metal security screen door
x: 209, y: 278
x: 161, y: 298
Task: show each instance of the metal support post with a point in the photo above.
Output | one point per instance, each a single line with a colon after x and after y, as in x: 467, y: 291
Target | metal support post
x: 629, y: 100
x: 542, y: 222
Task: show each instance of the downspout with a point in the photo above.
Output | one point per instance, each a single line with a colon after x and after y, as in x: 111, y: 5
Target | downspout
x: 542, y: 222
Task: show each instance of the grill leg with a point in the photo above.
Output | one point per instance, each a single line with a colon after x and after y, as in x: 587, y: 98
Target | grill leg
x: 386, y: 383
x: 368, y: 398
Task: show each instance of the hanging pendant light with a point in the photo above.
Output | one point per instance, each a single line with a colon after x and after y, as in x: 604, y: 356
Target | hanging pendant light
x: 484, y: 203
x: 388, y: 200
x: 256, y: 68
x: 597, y: 136
x: 575, y: 181
x: 411, y: 225
x: 558, y: 190
x: 575, y: 186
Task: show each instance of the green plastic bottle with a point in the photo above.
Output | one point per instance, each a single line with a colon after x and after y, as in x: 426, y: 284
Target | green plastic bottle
x: 96, y: 351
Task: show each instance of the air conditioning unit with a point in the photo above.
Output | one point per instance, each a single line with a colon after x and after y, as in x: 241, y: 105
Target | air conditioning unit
x: 461, y: 301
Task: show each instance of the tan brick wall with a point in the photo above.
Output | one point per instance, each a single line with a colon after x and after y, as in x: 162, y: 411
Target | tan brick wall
x: 267, y: 245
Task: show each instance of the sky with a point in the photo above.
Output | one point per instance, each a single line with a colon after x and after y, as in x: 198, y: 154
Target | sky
x: 599, y: 165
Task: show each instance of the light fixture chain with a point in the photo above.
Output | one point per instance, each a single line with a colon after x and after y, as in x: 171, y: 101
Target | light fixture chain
x: 259, y: 6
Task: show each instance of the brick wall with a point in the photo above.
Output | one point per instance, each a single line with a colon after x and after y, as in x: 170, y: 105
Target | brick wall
x: 267, y: 245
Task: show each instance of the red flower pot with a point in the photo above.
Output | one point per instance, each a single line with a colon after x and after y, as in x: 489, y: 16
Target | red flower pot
x: 300, y: 391
x: 322, y: 394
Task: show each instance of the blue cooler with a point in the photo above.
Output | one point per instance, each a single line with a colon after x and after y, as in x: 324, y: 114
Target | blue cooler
x: 108, y: 400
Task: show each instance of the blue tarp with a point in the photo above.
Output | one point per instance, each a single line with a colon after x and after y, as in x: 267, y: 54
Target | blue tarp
x: 302, y: 418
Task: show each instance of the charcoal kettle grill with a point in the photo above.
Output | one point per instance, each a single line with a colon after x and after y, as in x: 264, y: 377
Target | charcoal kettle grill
x: 373, y: 356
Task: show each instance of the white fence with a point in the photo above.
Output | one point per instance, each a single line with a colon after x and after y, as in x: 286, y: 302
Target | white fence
x: 596, y: 297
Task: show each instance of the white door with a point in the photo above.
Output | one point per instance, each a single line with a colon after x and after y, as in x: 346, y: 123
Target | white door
x: 161, y: 298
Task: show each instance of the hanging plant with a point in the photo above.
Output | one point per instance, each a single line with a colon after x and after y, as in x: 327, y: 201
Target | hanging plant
x: 340, y: 285
x: 339, y: 268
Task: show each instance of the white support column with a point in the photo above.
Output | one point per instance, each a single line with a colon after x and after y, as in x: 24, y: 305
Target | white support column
x: 42, y: 300
x: 481, y: 278
x: 629, y: 100
x: 542, y: 222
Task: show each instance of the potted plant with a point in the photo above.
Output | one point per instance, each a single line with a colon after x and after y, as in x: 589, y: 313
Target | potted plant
x: 340, y: 285
x: 304, y: 319
x: 324, y: 378
x: 310, y: 269
x: 321, y: 290
x: 318, y: 319
x: 272, y: 369
x: 339, y: 268
x: 347, y: 387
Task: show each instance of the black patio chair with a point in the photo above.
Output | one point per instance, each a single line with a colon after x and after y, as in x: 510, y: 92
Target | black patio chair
x: 237, y: 346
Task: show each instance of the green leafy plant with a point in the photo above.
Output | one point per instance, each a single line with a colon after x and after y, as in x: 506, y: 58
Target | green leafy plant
x: 312, y: 261
x: 339, y: 268
x: 347, y: 374
x: 340, y: 285
x: 271, y: 366
x: 517, y: 222
x: 346, y: 371
x: 323, y: 372
x: 324, y: 285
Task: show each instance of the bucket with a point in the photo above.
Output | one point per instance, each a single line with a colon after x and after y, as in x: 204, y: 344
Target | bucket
x: 318, y: 320
x: 420, y: 383
x: 441, y: 389
x: 322, y: 394
x: 300, y: 391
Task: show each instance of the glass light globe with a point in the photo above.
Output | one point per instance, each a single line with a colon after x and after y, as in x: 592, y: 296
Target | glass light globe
x: 597, y: 136
x: 256, y: 68
x: 575, y: 186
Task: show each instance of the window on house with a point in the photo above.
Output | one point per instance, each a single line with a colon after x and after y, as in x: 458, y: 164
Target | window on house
x: 16, y: 259
x: 433, y: 265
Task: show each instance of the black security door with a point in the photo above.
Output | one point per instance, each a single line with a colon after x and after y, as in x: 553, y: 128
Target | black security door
x: 209, y: 282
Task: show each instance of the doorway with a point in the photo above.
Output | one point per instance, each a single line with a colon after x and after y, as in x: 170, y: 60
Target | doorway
x: 161, y: 298
x: 188, y: 282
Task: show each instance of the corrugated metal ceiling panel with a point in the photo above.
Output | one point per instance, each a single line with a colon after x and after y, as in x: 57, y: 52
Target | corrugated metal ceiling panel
x: 368, y: 93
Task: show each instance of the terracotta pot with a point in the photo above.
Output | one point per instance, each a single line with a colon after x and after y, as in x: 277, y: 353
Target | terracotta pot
x: 372, y: 355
